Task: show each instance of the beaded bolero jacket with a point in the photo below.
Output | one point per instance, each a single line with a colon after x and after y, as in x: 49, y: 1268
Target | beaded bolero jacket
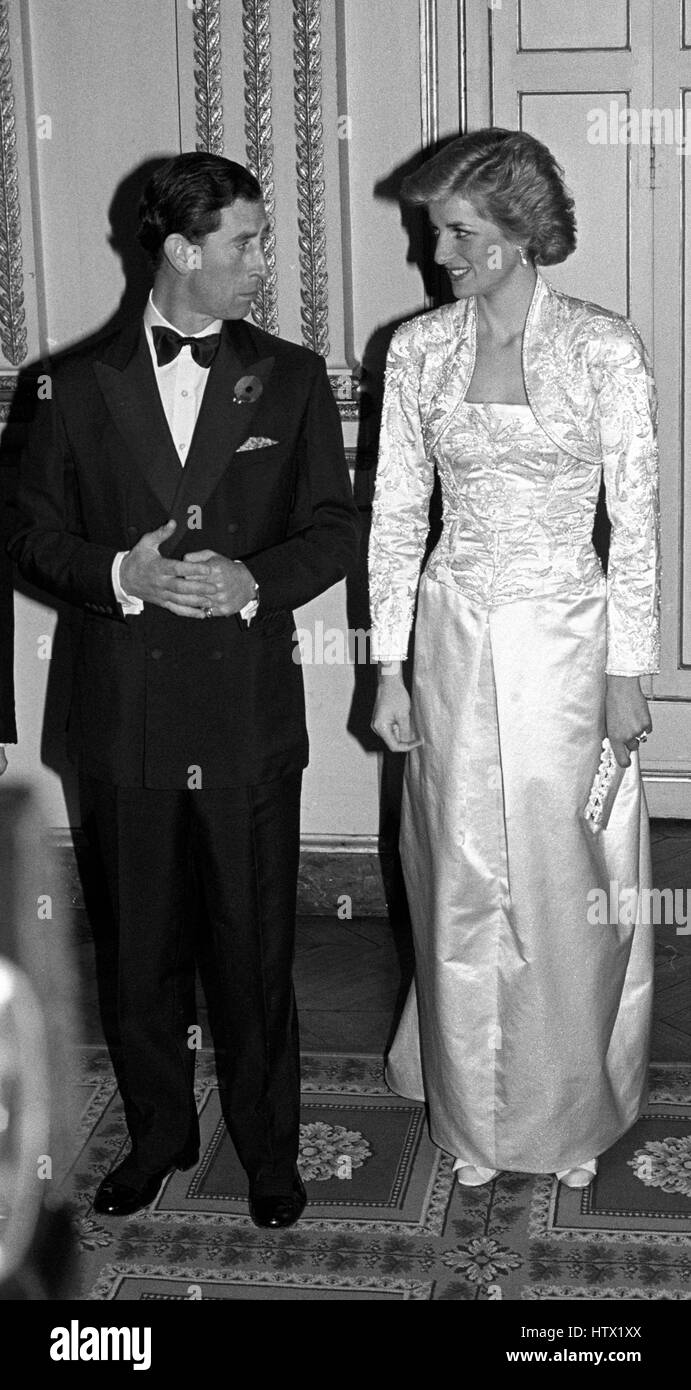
x: 590, y: 388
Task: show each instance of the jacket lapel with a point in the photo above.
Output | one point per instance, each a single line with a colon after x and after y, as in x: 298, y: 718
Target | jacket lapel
x: 126, y: 377
x: 447, y: 371
x: 448, y: 379
x: 223, y: 423
x: 561, y: 395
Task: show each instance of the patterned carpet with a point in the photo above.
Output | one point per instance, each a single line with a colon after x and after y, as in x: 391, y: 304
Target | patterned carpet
x: 385, y: 1219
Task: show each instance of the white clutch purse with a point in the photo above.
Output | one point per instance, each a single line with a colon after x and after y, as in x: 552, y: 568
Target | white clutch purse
x: 598, y: 807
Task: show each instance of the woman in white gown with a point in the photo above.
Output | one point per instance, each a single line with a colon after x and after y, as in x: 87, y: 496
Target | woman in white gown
x: 527, y: 1030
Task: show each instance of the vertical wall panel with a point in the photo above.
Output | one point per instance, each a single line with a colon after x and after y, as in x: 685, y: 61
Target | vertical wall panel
x: 110, y: 92
x: 385, y: 133
x: 669, y: 760
x: 560, y: 89
x: 685, y: 440
x: 450, y: 64
x: 599, y: 268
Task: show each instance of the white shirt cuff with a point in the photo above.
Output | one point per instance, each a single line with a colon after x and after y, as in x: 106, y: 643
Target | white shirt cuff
x: 250, y: 608
x: 128, y: 602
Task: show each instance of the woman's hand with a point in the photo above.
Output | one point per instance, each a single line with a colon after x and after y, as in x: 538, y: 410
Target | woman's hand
x: 391, y: 717
x: 626, y: 715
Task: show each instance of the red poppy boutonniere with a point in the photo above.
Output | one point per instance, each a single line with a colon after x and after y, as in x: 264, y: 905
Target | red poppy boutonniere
x: 247, y: 390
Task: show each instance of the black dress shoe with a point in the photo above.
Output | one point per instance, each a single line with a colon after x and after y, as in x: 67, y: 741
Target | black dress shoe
x: 126, y: 1194
x: 279, y: 1211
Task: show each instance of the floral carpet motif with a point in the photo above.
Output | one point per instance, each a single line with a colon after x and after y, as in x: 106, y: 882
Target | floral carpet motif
x: 666, y: 1164
x: 385, y: 1219
x: 330, y: 1151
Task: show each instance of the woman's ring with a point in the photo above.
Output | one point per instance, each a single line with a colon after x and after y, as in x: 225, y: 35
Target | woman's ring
x: 642, y: 738
x: 208, y: 612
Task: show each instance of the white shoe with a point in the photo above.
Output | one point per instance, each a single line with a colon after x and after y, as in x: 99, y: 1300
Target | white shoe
x: 580, y: 1176
x: 468, y: 1175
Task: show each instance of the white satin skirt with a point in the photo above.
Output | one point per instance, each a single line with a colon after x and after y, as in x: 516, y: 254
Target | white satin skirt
x: 527, y: 1030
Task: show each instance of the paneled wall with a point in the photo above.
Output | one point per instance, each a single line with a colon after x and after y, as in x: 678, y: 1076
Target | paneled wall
x: 324, y: 99
x: 329, y: 101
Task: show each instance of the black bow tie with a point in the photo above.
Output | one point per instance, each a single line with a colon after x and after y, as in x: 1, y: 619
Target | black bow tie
x: 168, y: 343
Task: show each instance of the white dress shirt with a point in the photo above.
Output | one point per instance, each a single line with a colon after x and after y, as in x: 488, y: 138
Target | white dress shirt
x: 181, y: 384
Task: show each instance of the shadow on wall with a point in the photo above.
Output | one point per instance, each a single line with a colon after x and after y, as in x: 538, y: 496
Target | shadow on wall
x: 122, y: 215
x: 434, y: 291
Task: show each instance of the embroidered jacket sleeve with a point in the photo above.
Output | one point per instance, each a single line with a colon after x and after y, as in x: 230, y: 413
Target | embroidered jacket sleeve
x: 627, y: 407
x: 400, y: 518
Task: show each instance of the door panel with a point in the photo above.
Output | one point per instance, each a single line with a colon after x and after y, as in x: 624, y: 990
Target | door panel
x: 602, y: 86
x: 600, y: 268
x: 559, y: 24
x: 671, y: 747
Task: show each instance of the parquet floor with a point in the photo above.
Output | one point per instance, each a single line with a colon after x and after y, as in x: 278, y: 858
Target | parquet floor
x: 349, y: 975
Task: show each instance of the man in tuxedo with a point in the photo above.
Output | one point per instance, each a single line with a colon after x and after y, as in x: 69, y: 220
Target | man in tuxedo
x: 186, y: 487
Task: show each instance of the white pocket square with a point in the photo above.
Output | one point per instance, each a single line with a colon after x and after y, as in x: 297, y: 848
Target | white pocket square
x: 255, y: 441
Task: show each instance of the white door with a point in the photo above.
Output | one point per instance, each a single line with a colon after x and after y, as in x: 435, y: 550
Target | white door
x: 671, y: 789
x: 601, y: 85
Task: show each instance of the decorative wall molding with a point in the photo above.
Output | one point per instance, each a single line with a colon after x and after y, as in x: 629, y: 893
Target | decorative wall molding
x: 8, y: 386
x: 346, y: 387
x: 309, y: 131
x: 429, y: 73
x: 18, y: 397
x: 12, y: 329
x: 429, y: 104
x: 208, y: 88
x: 463, y: 65
x: 256, y: 21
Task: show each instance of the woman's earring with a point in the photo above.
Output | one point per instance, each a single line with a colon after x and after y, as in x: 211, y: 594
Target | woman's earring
x: 524, y: 258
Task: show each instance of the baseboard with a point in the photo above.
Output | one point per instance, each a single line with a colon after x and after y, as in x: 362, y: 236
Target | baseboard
x: 340, y: 876
x: 668, y: 795
x: 348, y: 876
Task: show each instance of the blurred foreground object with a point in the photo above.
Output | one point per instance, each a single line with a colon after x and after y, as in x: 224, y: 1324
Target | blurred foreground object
x: 36, y: 1061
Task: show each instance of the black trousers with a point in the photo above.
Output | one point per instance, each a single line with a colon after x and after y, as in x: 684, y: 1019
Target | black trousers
x: 243, y: 846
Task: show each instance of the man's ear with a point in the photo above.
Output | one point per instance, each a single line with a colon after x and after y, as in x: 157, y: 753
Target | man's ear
x: 182, y: 255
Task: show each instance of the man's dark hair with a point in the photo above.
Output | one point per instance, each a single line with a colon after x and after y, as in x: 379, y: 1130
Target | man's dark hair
x: 187, y: 195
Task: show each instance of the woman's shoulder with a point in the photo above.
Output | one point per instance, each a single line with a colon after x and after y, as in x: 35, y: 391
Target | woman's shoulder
x: 601, y: 330
x: 417, y: 336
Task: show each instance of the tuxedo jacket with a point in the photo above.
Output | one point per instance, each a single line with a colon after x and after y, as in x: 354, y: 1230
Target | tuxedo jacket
x: 159, y: 700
